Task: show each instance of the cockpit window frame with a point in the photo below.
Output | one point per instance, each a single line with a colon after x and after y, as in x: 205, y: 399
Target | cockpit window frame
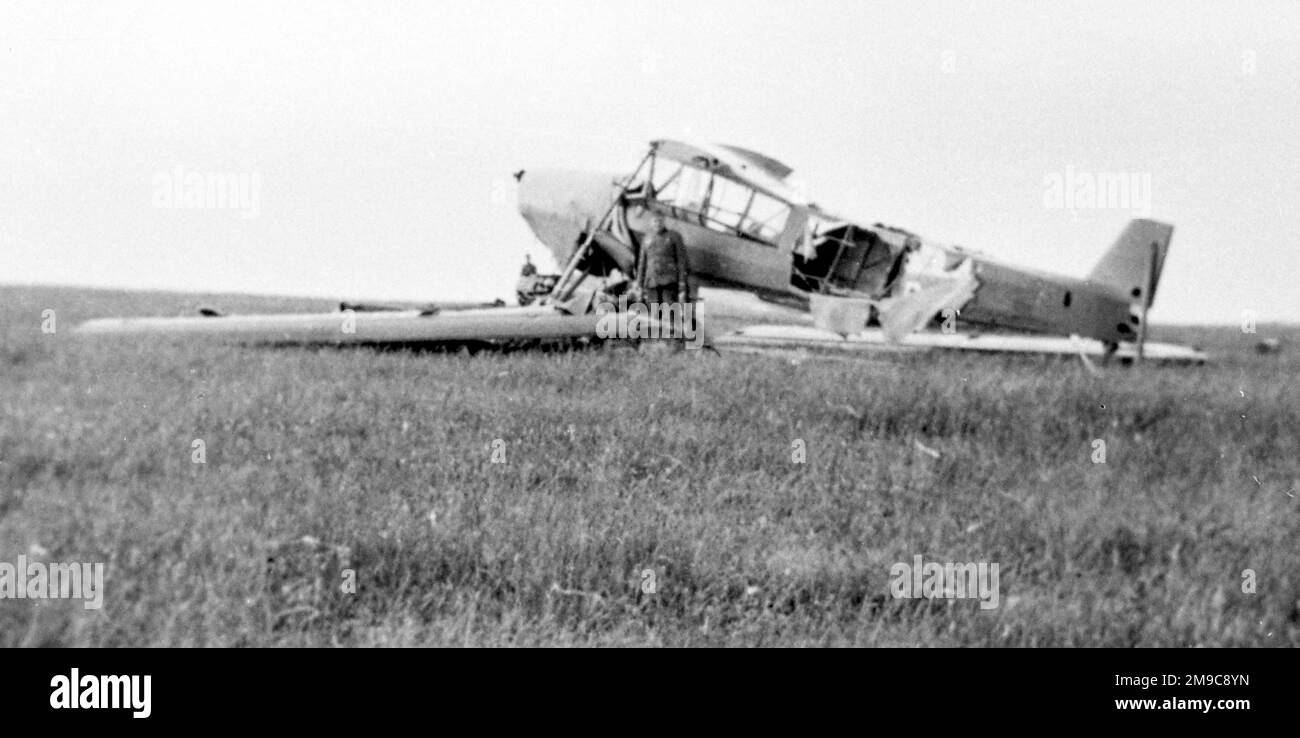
x: 744, y: 225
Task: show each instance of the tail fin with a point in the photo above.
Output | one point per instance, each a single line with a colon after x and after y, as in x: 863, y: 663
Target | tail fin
x: 1127, y: 267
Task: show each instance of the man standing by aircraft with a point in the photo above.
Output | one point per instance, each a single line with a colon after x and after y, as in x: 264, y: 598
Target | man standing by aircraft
x: 662, y: 268
x: 663, y: 272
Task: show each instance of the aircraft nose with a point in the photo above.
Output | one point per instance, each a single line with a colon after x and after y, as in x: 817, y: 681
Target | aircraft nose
x: 558, y: 204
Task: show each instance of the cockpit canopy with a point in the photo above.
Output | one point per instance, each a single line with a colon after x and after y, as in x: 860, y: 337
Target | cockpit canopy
x: 724, y: 188
x: 748, y: 167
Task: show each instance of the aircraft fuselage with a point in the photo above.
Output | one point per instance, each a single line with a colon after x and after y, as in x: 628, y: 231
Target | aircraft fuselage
x: 744, y: 227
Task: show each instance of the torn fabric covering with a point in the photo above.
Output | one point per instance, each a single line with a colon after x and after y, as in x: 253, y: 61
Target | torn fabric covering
x: 908, y: 313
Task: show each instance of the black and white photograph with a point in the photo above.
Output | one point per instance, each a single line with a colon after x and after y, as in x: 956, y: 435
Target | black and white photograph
x: 652, y: 324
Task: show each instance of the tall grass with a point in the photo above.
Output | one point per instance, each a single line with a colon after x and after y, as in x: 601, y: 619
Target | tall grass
x: 618, y: 463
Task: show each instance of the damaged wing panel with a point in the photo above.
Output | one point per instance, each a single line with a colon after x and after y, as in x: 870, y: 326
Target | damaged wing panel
x: 350, y: 327
x: 784, y: 337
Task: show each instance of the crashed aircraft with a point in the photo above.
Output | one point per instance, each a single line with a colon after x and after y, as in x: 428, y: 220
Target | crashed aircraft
x: 834, y: 282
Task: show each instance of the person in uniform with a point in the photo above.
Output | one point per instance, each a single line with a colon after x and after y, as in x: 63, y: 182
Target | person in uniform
x: 663, y: 272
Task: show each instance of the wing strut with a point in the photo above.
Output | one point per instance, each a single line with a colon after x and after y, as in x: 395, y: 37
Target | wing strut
x: 563, y: 288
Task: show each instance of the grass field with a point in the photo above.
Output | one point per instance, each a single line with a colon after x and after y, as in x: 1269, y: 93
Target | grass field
x: 622, y: 468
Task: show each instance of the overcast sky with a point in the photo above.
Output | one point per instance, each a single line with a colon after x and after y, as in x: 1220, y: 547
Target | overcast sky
x: 380, y: 136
